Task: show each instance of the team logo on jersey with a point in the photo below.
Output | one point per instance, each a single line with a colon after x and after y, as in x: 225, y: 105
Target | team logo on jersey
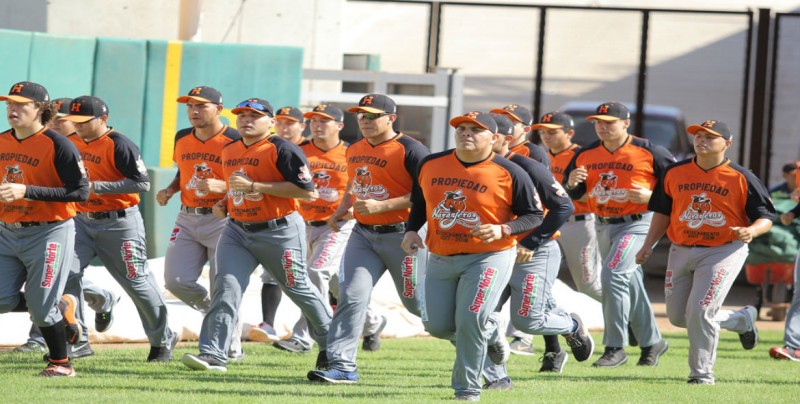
x: 52, y: 256
x: 530, y: 289
x: 13, y: 175
x: 289, y: 265
x: 201, y: 172
x: 717, y: 282
x: 606, y: 189
x: 484, y: 288
x: 409, y: 276
x: 699, y: 213
x: 130, y: 259
x: 238, y: 197
x: 452, y: 211
x: 322, y: 180
x: 305, y: 175
x: 363, y: 188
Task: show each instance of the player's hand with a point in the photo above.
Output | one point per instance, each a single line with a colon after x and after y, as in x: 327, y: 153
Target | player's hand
x: 212, y: 185
x: 746, y: 234
x: 523, y: 254
x: 163, y: 196
x: 412, y: 242
x: 91, y: 187
x: 311, y: 198
x: 488, y: 232
x: 577, y: 176
x: 644, y: 254
x: 220, y: 209
x: 239, y: 182
x: 337, y: 216
x: 10, y: 192
x: 367, y: 206
x: 639, y: 194
x: 787, y: 218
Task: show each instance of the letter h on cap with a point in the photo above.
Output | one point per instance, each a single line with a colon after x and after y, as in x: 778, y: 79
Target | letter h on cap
x: 17, y: 88
x: 76, y: 107
x: 603, y: 109
x: 547, y: 118
x: 367, y: 100
x: 196, y: 90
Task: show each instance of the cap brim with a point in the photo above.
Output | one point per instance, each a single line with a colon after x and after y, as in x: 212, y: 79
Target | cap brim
x: 605, y: 118
x: 312, y: 114
x: 547, y: 126
x: 15, y: 98
x: 693, y: 129
x: 461, y: 119
x: 61, y: 115
x: 287, y: 117
x: 506, y: 112
x: 236, y: 111
x: 79, y: 118
x: 366, y: 109
x: 186, y: 98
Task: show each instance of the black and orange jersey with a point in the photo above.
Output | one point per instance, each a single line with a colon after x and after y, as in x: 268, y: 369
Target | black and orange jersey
x: 456, y: 197
x: 557, y: 204
x: 51, y: 169
x: 384, y: 171
x: 272, y: 159
x: 558, y: 163
x: 611, y: 175
x: 329, y: 172
x: 703, y: 205
x: 198, y: 160
x: 111, y: 158
x: 532, y: 150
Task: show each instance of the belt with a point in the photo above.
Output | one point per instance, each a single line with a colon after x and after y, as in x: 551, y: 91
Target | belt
x: 581, y: 218
x: 22, y: 225
x: 109, y: 214
x: 619, y: 219
x: 385, y: 228
x: 701, y: 246
x: 195, y: 211
x: 258, y: 226
x: 316, y: 223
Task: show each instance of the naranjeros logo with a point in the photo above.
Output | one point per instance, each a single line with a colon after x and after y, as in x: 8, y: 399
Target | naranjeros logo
x: 529, y: 292
x: 201, y: 172
x: 322, y: 181
x: 606, y: 189
x: 13, y: 175
x: 238, y: 197
x: 130, y: 259
x: 452, y: 211
x: 484, y: 287
x: 363, y: 187
x: 699, y: 213
x: 288, y: 263
x: 409, y: 276
x: 52, y: 256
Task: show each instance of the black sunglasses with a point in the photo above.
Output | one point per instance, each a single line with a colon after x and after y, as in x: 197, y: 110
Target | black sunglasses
x: 370, y: 115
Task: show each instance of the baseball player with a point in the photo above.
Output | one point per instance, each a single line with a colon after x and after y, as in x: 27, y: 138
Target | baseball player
x: 265, y: 174
x: 710, y: 208
x: 523, y: 119
x: 533, y: 308
x: 381, y: 168
x: 199, y: 180
x: 326, y: 155
x: 791, y: 338
x: 616, y: 174
x: 101, y: 300
x: 43, y: 170
x: 474, y: 202
x: 578, y: 235
x: 289, y: 124
x: 109, y: 225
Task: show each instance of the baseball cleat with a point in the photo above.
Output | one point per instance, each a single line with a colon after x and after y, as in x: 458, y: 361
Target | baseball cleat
x: 103, y: 321
x: 372, y: 342
x: 236, y: 356
x: 651, y: 354
x: 521, y: 346
x: 263, y: 333
x: 699, y: 381
x: 612, y: 358
x: 68, y: 305
x: 54, y: 370
x: 203, y: 362
x: 749, y: 338
x: 292, y: 345
x: 30, y: 346
x: 163, y: 353
x: 467, y: 398
x: 554, y: 361
x: 502, y: 384
x: 579, y: 341
x: 75, y: 351
x: 785, y: 353
x: 334, y: 376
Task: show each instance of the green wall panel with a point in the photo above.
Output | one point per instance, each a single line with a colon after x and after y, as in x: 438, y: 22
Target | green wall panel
x: 63, y: 64
x: 153, y: 105
x: 15, y: 46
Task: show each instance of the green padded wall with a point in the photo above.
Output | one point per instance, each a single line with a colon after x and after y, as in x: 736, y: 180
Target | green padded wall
x: 15, y: 46
x: 63, y: 64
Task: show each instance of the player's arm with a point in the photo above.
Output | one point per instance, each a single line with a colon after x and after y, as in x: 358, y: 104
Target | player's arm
x: 415, y: 153
x: 574, y: 178
x: 759, y: 209
x: 554, y: 198
x: 658, y: 227
x: 293, y: 166
x: 68, y: 165
x: 128, y: 161
x: 163, y: 196
x: 416, y: 219
x: 524, y: 205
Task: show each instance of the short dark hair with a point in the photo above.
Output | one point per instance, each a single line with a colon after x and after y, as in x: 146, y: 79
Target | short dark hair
x: 49, y: 110
x: 789, y: 167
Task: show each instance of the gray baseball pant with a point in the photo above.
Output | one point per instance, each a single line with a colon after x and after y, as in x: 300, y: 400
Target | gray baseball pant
x: 367, y: 255
x: 461, y: 292
x: 791, y: 337
x: 282, y: 251
x: 625, y: 298
x: 121, y: 246
x: 579, y: 242
x: 696, y: 283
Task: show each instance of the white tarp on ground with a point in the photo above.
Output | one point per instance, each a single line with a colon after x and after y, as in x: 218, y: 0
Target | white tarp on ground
x: 186, y: 321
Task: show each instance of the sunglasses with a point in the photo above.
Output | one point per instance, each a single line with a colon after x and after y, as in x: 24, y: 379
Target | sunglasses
x: 256, y: 106
x: 370, y: 115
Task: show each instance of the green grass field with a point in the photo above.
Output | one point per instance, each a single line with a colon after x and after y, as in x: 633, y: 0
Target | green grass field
x: 404, y: 370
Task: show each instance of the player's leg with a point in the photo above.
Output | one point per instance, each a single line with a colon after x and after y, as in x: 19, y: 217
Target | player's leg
x: 184, y: 260
x: 678, y: 282
x: 791, y: 336
x: 404, y: 269
x: 579, y: 242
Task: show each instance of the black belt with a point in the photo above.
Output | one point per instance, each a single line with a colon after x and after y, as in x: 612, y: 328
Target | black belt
x: 22, y: 225
x: 619, y: 219
x: 109, y: 214
x: 316, y: 223
x: 385, y: 228
x: 258, y: 226
x: 196, y: 211
x: 702, y: 246
x: 580, y: 218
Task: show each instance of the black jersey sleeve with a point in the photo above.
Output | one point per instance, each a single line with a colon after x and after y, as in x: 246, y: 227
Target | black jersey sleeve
x: 292, y: 163
x: 415, y: 152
